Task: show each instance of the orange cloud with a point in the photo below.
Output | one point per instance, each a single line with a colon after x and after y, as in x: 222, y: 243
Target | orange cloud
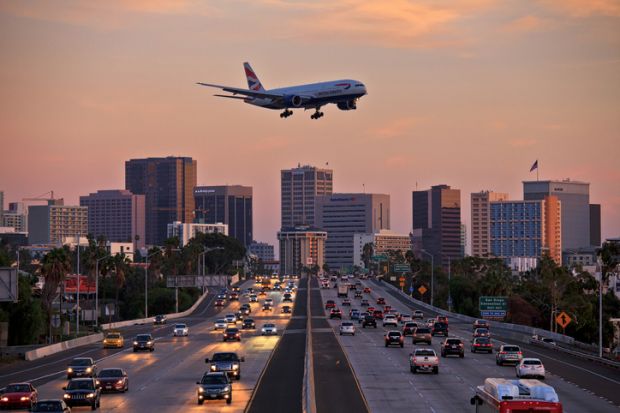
x: 528, y: 24
x: 585, y: 8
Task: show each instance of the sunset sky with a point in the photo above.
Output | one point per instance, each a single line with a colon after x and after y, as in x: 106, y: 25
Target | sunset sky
x: 467, y: 93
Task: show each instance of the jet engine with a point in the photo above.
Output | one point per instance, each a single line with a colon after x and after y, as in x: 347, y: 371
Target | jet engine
x: 348, y: 105
x: 293, y: 101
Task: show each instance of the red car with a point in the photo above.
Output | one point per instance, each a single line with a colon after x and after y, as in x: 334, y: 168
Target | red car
x: 387, y: 308
x: 367, y: 290
x: 380, y: 301
x: 18, y: 395
x: 219, y: 302
x: 330, y: 304
x: 113, y: 379
x: 370, y: 309
x: 378, y: 314
x: 442, y: 319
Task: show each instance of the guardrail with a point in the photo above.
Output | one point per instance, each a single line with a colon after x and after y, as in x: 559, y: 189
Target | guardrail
x: 515, y: 331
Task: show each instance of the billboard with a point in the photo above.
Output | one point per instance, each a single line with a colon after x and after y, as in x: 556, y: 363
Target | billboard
x: 8, y: 284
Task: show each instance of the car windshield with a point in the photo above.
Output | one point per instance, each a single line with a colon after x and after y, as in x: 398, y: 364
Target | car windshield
x: 440, y: 325
x: 422, y: 331
x: 81, y: 385
x: 512, y: 349
x: 248, y: 321
x: 51, y: 406
x: 483, y: 340
x: 220, y: 321
x: 110, y: 373
x: 232, y: 330
x: 214, y: 379
x: 143, y: 337
x: 180, y: 326
x: 17, y: 388
x: 453, y: 341
x: 269, y: 325
x: 482, y: 330
x: 410, y: 325
x: 347, y: 324
x: 424, y: 353
x: 114, y: 336
x: 225, y: 357
x: 81, y: 362
x: 394, y: 334
x: 532, y: 362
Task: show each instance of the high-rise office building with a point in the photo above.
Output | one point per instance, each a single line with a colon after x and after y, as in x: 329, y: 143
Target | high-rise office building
x: 526, y: 229
x: 187, y: 231
x: 1, y: 207
x: 382, y: 242
x: 262, y: 250
x: 299, y: 188
x: 300, y: 247
x: 118, y: 215
x: 480, y: 229
x: 16, y: 217
x: 575, y: 200
x: 437, y: 223
x: 342, y: 215
x: 595, y: 225
x: 168, y: 186
x: 51, y: 223
x: 228, y: 204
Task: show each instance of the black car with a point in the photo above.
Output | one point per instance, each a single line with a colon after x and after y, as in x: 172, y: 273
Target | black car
x: 159, y: 319
x: 214, y: 386
x: 452, y: 346
x: 82, y: 392
x: 370, y: 321
x: 50, y: 406
x: 440, y: 329
x: 143, y: 342
x: 113, y: 379
x: 394, y: 338
x: 248, y: 324
x: 335, y: 313
x: 81, y: 367
x: 287, y: 298
x: 286, y: 309
x: 229, y: 363
x: 231, y: 333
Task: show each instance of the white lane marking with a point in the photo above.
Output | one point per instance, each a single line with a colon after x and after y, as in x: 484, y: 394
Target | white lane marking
x: 50, y: 363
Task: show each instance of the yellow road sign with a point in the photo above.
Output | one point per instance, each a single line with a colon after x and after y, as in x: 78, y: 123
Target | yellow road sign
x: 422, y: 290
x: 563, y: 319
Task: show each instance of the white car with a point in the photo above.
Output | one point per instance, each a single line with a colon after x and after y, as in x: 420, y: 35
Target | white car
x: 430, y: 322
x: 390, y: 320
x: 405, y: 318
x: 347, y: 327
x: 269, y: 301
x: 180, y: 330
x: 231, y: 318
x: 418, y: 314
x: 269, y: 329
x: 220, y: 324
x: 530, y: 367
x: 424, y: 359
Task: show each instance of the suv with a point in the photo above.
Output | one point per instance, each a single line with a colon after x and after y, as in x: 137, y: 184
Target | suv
x: 440, y: 328
x: 421, y: 334
x: 481, y: 344
x: 424, y: 359
x: 369, y: 320
x: 143, y: 342
x: 508, y: 353
x: 482, y: 332
x: 229, y: 363
x: 378, y: 314
x: 159, y: 319
x: 82, y: 367
x: 409, y: 327
x: 452, y: 346
x: 417, y: 314
x: 481, y: 324
x: 380, y: 301
x: 330, y: 304
x: 83, y: 392
x: 214, y: 386
x: 390, y: 320
x: 442, y: 319
x: 394, y: 337
x: 335, y: 313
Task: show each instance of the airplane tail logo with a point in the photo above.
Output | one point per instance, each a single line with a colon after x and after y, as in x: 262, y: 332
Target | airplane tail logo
x: 253, y: 82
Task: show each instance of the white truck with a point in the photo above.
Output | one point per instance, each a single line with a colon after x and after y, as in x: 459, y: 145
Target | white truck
x: 343, y: 290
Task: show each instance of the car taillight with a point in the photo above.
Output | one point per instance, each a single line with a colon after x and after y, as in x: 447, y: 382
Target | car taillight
x: 461, y: 345
x: 519, y: 353
x: 502, y: 352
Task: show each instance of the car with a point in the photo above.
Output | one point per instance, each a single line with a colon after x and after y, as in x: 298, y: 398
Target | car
x: 481, y: 332
x: 418, y: 315
x: 160, y: 319
x: 335, y: 313
x: 221, y: 296
x: 408, y: 328
x: 380, y: 301
x: 538, y: 339
x: 287, y: 297
x: 231, y: 333
x: 481, y: 344
x: 394, y: 337
x: 347, y: 327
x: 508, y: 353
x: 226, y: 362
x: 269, y: 329
x: 330, y: 304
x: 50, y: 406
x: 253, y: 298
x: 180, y: 330
x: 405, y: 318
x: 355, y: 315
x: 367, y: 290
x: 248, y: 324
x: 246, y: 309
x: 390, y: 320
x: 143, y: 342
x: 262, y: 293
x: 236, y: 288
x: 362, y: 316
x: 440, y: 329
x: 371, y: 309
x: 267, y: 307
x: 364, y: 303
x: 424, y: 359
x: 18, y: 396
x: 530, y: 367
x: 346, y: 301
x: 214, y: 386
x: 233, y: 296
x: 387, y: 308
x: 81, y: 367
x: 421, y: 335
x: 219, y: 302
x: 113, y: 340
x: 452, y: 346
x: 370, y: 321
x: 239, y: 315
x: 220, y: 324
x: 268, y: 301
x: 358, y: 294
x: 113, y: 379
x: 378, y: 314
x: 82, y: 392
x: 430, y: 322
x: 442, y: 319
x: 480, y: 323
x: 286, y: 309
x: 230, y: 319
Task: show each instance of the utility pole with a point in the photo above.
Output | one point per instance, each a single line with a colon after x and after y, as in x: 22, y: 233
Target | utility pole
x: 432, y: 274
x: 600, y: 307
x: 77, y: 318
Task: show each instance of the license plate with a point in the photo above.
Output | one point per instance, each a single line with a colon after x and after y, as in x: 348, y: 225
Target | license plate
x: 108, y: 387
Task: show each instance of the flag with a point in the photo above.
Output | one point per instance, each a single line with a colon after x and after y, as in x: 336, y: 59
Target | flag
x: 534, y: 166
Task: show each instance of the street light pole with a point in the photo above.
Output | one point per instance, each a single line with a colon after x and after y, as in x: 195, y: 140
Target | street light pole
x: 97, y: 289
x: 432, y: 274
x: 77, y: 318
x: 449, y: 278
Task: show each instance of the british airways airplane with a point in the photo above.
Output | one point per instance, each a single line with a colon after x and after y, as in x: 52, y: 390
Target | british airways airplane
x: 344, y: 93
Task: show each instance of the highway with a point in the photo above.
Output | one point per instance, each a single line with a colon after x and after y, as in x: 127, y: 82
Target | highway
x: 388, y: 385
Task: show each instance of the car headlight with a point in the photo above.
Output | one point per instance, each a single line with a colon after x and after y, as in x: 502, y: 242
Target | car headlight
x: 235, y: 367
x: 119, y: 382
x: 88, y: 369
x: 201, y: 390
x: 148, y: 343
x: 67, y: 396
x: 135, y: 343
x: 226, y: 388
x: 23, y: 398
x: 90, y: 395
x: 5, y: 399
x: 69, y: 370
x: 263, y: 330
x: 213, y: 367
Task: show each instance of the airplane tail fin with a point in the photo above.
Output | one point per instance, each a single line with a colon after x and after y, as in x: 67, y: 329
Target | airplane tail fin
x: 253, y: 82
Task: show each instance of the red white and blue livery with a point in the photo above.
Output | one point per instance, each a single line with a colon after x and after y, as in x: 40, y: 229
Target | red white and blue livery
x: 343, y: 93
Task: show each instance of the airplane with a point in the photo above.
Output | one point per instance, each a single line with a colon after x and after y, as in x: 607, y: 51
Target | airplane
x: 344, y: 93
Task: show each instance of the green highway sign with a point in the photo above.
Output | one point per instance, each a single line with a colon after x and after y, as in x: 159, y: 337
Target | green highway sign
x: 401, y: 268
x: 492, y: 303
x: 379, y: 258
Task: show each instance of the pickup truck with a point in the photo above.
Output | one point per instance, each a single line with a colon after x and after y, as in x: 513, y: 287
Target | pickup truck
x: 424, y: 359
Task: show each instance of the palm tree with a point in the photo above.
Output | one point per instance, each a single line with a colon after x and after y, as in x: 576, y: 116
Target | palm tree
x: 56, y: 265
x: 367, y: 253
x: 120, y: 267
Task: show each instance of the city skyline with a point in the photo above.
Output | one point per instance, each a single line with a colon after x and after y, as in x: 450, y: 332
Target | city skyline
x: 467, y: 94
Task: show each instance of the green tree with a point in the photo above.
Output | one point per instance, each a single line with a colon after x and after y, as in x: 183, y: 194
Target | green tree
x: 56, y: 265
x: 367, y: 253
x: 26, y: 318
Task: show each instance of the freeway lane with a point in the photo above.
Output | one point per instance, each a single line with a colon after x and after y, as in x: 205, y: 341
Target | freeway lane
x: 389, y: 386
x: 164, y: 381
x: 602, y: 380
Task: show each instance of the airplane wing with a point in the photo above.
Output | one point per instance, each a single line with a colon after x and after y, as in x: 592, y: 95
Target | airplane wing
x: 245, y: 92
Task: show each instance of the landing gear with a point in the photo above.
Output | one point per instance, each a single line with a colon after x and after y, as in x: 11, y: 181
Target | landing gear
x: 286, y: 113
x: 317, y: 114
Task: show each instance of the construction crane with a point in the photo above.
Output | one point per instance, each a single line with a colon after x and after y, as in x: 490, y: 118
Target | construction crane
x: 42, y: 197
